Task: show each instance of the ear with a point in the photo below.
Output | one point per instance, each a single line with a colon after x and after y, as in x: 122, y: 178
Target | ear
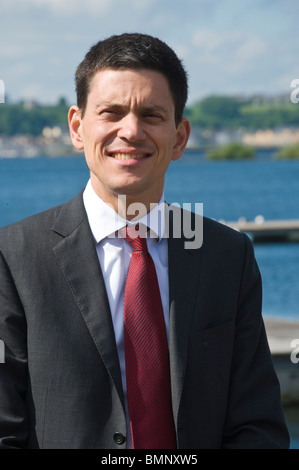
x: 74, y: 119
x: 182, y: 136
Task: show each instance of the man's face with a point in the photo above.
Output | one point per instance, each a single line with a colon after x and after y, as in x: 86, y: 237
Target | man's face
x: 128, y: 133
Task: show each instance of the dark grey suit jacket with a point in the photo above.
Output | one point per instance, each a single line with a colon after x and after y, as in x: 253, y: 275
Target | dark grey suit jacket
x: 60, y: 385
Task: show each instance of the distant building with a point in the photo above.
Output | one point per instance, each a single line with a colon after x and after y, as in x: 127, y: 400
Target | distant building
x: 271, y: 138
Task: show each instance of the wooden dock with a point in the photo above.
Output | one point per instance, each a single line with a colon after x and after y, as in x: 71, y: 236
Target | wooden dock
x: 281, y: 334
x: 261, y: 230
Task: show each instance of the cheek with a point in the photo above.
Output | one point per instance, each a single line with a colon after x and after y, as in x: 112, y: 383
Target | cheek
x: 168, y: 137
x: 167, y: 149
x: 92, y: 146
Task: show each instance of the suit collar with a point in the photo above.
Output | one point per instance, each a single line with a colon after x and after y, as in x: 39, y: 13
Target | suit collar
x: 70, y: 216
x: 76, y: 255
x: 184, y: 271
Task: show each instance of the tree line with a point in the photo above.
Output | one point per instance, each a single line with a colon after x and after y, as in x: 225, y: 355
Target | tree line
x: 29, y: 118
x: 218, y: 112
x: 210, y: 113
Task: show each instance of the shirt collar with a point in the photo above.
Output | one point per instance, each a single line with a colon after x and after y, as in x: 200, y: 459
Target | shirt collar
x: 98, y: 211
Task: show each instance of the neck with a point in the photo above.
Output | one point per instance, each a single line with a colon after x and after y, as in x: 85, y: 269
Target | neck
x: 131, y: 208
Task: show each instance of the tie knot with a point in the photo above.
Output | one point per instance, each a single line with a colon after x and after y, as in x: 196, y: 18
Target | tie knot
x: 135, y: 236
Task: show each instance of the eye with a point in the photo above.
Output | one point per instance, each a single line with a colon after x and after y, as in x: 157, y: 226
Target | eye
x: 152, y: 116
x: 110, y: 113
x: 107, y: 111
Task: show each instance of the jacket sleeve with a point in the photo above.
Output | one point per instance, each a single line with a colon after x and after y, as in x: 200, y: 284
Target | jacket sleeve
x: 13, y: 370
x: 255, y: 417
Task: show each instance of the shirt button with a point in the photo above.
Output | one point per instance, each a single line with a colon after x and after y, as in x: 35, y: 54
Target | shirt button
x: 119, y: 438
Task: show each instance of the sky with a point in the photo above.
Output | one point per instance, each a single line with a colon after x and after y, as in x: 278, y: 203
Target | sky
x: 228, y: 47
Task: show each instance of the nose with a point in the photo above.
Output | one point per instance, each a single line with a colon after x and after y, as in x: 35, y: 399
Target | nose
x: 131, y: 128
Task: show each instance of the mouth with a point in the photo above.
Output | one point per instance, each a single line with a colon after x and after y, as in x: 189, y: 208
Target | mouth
x: 129, y: 156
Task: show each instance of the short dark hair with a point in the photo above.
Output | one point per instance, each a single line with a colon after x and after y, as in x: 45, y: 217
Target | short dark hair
x: 133, y: 51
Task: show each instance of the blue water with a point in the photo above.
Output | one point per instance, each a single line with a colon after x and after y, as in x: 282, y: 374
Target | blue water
x: 228, y: 190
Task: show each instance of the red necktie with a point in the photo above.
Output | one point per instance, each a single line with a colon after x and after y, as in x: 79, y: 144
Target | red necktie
x: 146, y: 353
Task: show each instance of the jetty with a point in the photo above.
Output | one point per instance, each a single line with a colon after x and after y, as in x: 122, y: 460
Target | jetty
x: 283, y: 339
x: 261, y: 230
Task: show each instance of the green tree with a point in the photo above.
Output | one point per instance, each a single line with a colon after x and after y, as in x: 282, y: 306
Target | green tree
x: 232, y: 151
x: 216, y: 112
x: 290, y: 152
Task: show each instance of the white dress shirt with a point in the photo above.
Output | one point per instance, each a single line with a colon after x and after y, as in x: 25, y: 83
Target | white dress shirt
x: 114, y: 256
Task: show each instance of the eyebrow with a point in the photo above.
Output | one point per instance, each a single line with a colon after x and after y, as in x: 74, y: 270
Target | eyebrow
x: 142, y: 108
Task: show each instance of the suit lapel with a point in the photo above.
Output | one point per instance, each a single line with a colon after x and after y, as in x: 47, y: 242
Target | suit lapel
x: 77, y: 257
x: 184, y: 269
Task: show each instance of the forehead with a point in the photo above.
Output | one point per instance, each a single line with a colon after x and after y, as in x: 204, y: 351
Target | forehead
x: 127, y: 84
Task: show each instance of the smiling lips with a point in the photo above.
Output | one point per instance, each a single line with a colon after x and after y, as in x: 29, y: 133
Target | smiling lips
x: 129, y: 156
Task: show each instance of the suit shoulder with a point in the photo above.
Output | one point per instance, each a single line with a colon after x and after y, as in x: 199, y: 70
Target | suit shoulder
x: 30, y: 223
x: 211, y: 228
x: 205, y: 232
x: 219, y: 229
x: 225, y: 238
x: 33, y: 226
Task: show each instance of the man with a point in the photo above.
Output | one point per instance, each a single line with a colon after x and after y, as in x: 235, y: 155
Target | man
x: 67, y: 381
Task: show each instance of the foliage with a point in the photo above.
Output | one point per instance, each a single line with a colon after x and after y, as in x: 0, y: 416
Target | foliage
x: 223, y: 112
x: 231, y: 151
x: 210, y: 113
x: 289, y: 152
x: 31, y: 118
x: 215, y: 112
